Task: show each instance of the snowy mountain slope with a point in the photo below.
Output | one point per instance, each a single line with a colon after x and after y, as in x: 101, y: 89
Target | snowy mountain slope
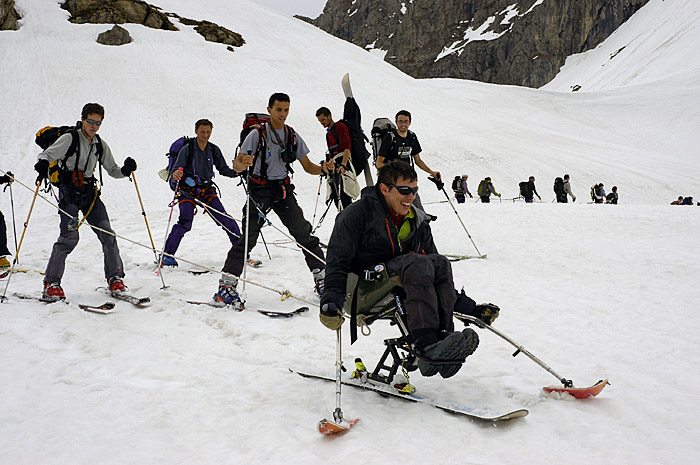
x: 595, y: 291
x: 660, y: 40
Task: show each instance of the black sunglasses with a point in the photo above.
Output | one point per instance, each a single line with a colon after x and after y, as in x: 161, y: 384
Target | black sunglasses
x: 405, y: 190
x: 92, y: 121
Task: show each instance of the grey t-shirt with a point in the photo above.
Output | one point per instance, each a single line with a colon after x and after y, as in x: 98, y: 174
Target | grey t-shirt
x: 276, y: 169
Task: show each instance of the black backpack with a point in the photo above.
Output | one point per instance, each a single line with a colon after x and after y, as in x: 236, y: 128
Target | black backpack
x: 352, y: 118
x: 524, y: 188
x: 457, y: 184
x: 559, y: 186
x: 48, y: 135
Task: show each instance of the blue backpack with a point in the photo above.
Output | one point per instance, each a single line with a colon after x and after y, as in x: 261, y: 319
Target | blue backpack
x: 167, y: 173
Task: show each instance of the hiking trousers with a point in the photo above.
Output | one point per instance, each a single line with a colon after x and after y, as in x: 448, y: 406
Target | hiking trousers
x: 3, y: 236
x: 430, y: 294
x: 68, y: 239
x: 184, y: 222
x: 281, y: 200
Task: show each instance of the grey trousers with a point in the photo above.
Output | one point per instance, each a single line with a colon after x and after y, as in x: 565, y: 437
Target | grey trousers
x: 68, y: 239
x: 430, y: 294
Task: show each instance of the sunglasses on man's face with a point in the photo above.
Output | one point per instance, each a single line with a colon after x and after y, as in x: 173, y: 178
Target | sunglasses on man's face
x: 92, y: 121
x: 405, y: 190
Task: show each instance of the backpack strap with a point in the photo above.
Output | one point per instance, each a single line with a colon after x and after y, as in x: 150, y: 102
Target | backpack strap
x: 291, y: 144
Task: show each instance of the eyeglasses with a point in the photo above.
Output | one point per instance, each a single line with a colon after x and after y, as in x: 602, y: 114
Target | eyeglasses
x: 405, y: 190
x: 92, y: 121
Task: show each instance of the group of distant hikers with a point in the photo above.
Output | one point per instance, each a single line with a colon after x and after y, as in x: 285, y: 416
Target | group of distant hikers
x: 528, y: 191
x: 384, y: 232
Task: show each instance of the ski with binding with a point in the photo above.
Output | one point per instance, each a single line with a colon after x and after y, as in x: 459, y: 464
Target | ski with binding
x: 470, y: 412
x: 133, y: 300
x: 241, y: 307
x: 457, y: 258
x: 105, y: 308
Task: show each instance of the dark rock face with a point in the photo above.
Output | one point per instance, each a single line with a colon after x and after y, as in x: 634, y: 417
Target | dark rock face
x: 115, y: 36
x: 520, y: 42
x: 8, y: 16
x: 139, y: 12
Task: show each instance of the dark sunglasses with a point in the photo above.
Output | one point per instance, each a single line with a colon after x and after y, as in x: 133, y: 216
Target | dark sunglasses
x: 92, y: 121
x: 405, y: 190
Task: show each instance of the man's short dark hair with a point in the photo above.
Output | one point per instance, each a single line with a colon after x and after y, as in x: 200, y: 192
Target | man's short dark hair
x: 323, y: 111
x: 402, y: 113
x: 277, y: 97
x: 566, y: 176
x: 392, y: 171
x: 203, y: 122
x: 92, y: 109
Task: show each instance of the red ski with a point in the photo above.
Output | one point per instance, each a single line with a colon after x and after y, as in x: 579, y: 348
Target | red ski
x: 580, y: 393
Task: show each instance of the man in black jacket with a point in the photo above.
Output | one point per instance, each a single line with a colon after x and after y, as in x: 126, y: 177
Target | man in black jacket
x: 384, y: 227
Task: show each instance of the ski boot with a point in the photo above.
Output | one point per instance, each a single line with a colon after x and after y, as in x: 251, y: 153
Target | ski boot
x: 228, y: 295
x: 116, y: 285
x: 167, y: 261
x: 52, y: 292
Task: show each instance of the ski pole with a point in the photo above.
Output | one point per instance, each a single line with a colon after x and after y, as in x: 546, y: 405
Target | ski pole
x: 441, y: 186
x: 12, y: 203
x: 16, y: 259
x: 150, y: 236
x: 318, y: 195
x: 247, y: 225
x: 566, y: 382
x: 167, y: 228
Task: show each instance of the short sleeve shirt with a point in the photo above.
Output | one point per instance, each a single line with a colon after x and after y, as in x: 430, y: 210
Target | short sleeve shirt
x: 276, y: 168
x: 403, y: 148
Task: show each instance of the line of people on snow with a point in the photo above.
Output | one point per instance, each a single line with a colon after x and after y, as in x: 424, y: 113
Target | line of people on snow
x: 385, y: 226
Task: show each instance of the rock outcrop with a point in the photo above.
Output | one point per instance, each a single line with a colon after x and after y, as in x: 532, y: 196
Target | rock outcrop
x: 115, y: 36
x: 520, y: 42
x: 8, y: 16
x: 140, y: 12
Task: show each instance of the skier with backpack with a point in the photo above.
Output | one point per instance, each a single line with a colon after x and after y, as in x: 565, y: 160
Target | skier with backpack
x: 274, y: 147
x: 598, y: 193
x: 528, y: 190
x: 78, y: 152
x: 485, y: 190
x: 613, y: 196
x: 560, y: 190
x: 460, y: 188
x: 342, y: 179
x: 193, y: 171
x: 397, y: 142
x: 4, y: 251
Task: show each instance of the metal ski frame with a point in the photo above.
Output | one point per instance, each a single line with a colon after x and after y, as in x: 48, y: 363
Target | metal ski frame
x: 566, y: 382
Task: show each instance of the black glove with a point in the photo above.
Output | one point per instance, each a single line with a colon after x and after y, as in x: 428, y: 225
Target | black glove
x: 438, y: 183
x: 466, y: 306
x: 129, y: 166
x: 42, y: 167
x: 331, y: 310
x: 7, y: 178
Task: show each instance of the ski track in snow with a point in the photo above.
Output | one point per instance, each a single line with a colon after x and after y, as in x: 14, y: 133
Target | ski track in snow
x: 596, y: 291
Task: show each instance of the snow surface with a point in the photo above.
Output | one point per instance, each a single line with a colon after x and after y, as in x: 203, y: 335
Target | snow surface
x: 596, y: 291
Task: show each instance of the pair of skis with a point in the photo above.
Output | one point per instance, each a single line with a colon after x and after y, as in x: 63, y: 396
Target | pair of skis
x: 240, y: 307
x: 104, y: 309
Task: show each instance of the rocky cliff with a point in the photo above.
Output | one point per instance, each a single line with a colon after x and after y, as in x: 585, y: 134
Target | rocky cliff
x: 520, y: 42
x: 8, y: 16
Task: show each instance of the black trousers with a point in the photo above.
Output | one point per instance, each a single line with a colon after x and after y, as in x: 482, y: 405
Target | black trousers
x: 430, y: 294
x: 3, y: 237
x: 281, y: 200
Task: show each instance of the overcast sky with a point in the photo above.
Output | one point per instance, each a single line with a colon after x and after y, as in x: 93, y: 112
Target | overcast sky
x: 310, y: 8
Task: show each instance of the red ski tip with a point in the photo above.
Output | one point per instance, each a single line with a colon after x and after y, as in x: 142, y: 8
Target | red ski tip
x: 330, y: 427
x: 580, y: 393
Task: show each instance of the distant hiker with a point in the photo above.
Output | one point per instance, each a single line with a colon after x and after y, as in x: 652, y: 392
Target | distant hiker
x: 194, y: 170
x: 79, y: 191
x: 598, y: 193
x: 678, y: 201
x: 402, y: 144
x: 485, y: 190
x: 384, y: 227
x: 341, y: 178
x: 460, y: 188
x: 567, y: 188
x: 687, y: 201
x: 612, y: 197
x: 271, y: 188
x: 4, y: 252
x: 528, y: 190
x: 560, y: 190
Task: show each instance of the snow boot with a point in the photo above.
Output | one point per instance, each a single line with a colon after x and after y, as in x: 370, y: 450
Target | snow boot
x: 116, y: 284
x: 52, y: 291
x: 167, y: 261
x: 228, y: 295
x: 447, y: 349
x: 319, y: 281
x: 471, y: 342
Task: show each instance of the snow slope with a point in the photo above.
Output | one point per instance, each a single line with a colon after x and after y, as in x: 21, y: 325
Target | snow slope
x: 594, y: 290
